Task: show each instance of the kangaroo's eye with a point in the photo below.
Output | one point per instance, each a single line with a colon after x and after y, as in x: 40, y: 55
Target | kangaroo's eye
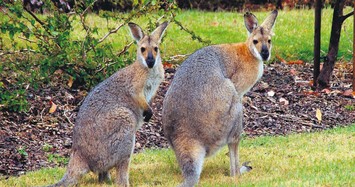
x: 156, y: 49
x: 142, y: 49
x: 255, y: 42
x: 269, y: 41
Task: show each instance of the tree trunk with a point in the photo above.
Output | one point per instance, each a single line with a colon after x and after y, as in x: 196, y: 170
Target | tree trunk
x: 317, y: 34
x: 279, y: 5
x: 328, y: 66
x: 354, y: 50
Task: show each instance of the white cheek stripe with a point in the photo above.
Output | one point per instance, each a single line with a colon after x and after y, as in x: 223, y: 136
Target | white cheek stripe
x: 269, y: 53
x: 257, y: 54
x: 143, y: 61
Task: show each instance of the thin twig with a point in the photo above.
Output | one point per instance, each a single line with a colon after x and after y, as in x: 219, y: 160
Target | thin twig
x: 19, y: 51
x: 158, y: 20
x: 193, y: 35
x: 118, y: 54
x: 87, y: 8
x: 65, y: 111
x: 31, y: 41
x: 34, y: 16
x: 177, y: 58
x: 110, y: 32
x: 6, y: 13
x: 125, y: 48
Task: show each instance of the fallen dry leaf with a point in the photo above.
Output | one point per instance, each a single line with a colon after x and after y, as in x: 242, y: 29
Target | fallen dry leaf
x: 310, y: 83
x: 311, y: 93
x: 299, y: 62
x: 70, y: 82
x: 326, y: 90
x: 215, y: 23
x: 283, y: 101
x: 53, y: 107
x: 319, y: 115
x: 293, y: 72
x: 281, y: 59
x: 349, y: 92
x: 336, y: 92
x: 167, y: 65
x: 270, y: 93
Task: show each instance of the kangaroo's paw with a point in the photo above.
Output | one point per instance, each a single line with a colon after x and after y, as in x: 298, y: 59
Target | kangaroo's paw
x: 147, y: 114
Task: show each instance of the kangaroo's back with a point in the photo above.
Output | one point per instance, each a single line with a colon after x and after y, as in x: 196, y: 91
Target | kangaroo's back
x: 202, y: 110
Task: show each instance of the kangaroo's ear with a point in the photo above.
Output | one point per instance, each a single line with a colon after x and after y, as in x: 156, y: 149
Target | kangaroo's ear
x: 270, y: 21
x: 136, y: 31
x: 250, y: 22
x: 159, y: 31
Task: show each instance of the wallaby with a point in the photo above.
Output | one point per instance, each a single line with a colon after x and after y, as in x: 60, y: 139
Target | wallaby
x: 202, y: 110
x: 104, y: 132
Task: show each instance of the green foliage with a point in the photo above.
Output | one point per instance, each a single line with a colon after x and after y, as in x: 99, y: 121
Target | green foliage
x: 350, y: 107
x: 49, y: 38
x: 22, y: 151
x: 46, y: 147
x: 55, y: 158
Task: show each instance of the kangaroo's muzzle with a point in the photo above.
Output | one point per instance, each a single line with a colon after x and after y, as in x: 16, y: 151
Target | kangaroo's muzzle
x: 264, y: 52
x: 150, y: 60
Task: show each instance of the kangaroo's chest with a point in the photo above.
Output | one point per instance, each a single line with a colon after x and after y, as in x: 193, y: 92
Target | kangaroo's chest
x: 152, y: 84
x: 247, y: 77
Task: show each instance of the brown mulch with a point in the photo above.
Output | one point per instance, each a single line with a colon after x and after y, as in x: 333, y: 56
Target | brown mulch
x: 281, y: 103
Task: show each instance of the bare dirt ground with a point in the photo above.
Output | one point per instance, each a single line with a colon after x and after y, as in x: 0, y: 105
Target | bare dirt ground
x: 281, y: 103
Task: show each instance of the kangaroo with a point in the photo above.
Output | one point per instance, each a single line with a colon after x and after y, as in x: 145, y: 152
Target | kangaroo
x: 202, y: 109
x: 104, y: 132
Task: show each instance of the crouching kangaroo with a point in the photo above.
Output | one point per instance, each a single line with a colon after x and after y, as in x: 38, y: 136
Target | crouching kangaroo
x: 202, y: 110
x: 104, y: 132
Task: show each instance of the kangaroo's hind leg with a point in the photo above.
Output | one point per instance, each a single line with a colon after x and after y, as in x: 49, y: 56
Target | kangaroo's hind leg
x: 77, y: 167
x: 104, y: 176
x: 122, y: 176
x: 190, y: 157
x: 233, y: 146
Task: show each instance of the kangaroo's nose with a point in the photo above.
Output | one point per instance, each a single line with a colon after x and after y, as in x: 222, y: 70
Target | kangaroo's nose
x: 150, y: 60
x: 264, y: 52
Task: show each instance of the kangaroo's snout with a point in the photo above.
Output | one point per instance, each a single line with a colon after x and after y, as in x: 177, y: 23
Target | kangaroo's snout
x: 264, y: 52
x: 150, y: 60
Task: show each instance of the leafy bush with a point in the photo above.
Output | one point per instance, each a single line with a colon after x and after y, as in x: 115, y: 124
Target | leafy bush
x: 48, y: 46
x: 38, y: 49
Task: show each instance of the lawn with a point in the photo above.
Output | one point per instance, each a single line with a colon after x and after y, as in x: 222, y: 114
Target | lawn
x: 293, y: 32
x: 324, y: 158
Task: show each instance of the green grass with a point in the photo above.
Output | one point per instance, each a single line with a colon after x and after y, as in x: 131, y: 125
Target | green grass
x: 312, y: 159
x: 293, y: 32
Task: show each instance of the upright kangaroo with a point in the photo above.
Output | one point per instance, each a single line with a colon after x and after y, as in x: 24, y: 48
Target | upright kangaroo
x: 104, y: 132
x: 202, y: 110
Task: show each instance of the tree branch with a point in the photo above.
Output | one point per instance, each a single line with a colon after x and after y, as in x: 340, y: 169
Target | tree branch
x: 343, y: 18
x: 87, y: 8
x: 31, y: 41
x: 111, y: 32
x: 19, y: 51
x: 34, y: 16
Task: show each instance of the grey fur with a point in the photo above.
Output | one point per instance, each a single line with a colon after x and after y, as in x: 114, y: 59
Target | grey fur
x: 203, y: 111
x: 104, y: 132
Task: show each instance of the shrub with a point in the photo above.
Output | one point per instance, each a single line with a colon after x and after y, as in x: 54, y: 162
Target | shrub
x: 48, y: 47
